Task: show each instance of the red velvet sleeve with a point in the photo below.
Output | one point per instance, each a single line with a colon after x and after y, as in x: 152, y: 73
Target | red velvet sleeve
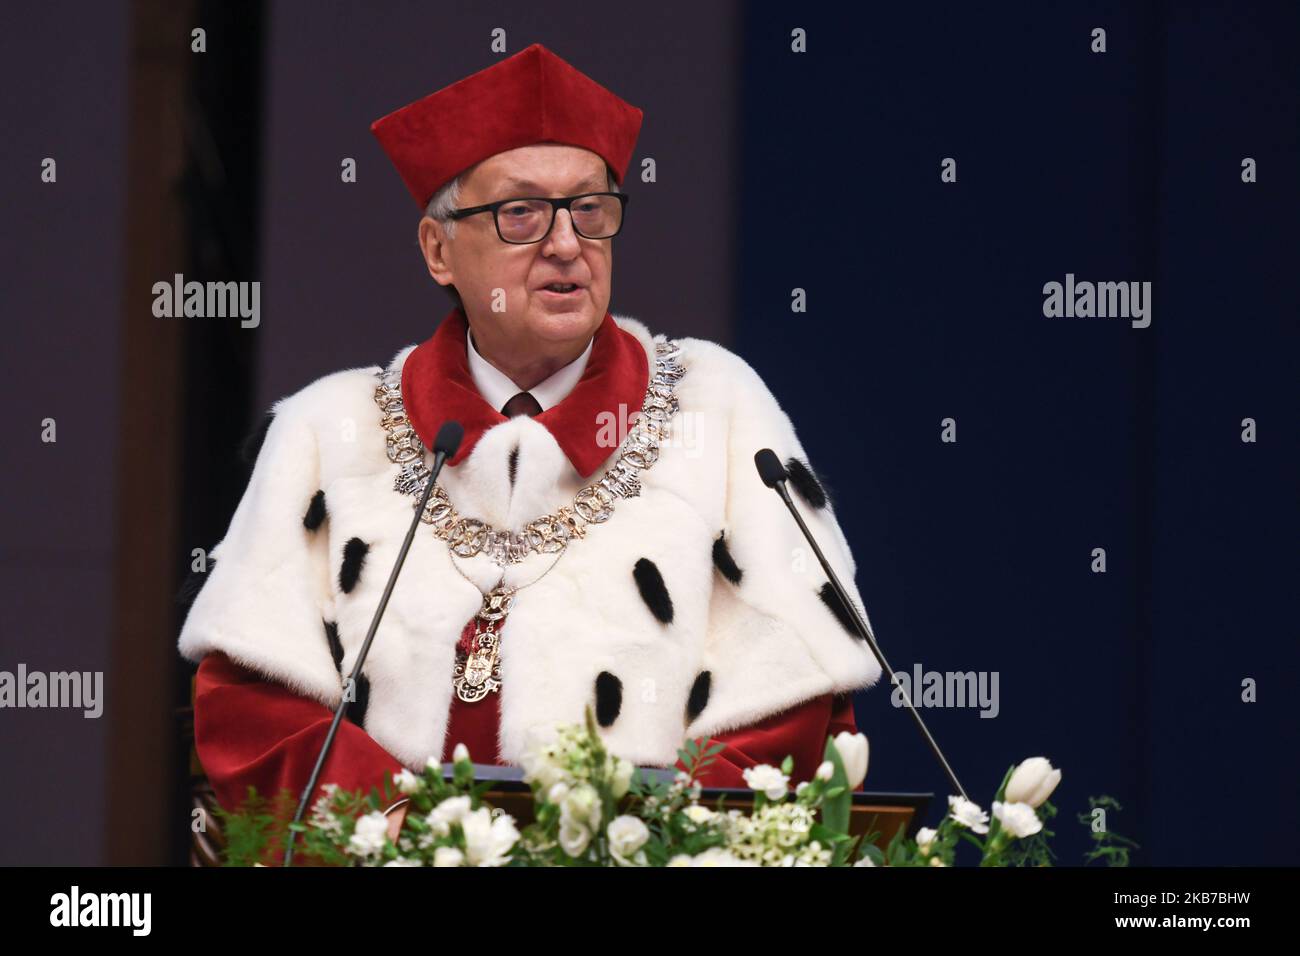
x: 800, y: 732
x: 250, y: 731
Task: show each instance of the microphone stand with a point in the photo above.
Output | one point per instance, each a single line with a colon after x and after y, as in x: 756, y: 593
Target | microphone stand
x: 774, y: 476
x: 448, y: 440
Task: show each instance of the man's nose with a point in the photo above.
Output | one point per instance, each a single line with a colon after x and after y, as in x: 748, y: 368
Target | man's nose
x: 563, y: 240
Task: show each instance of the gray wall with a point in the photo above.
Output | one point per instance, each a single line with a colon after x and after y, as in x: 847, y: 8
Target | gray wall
x: 63, y: 89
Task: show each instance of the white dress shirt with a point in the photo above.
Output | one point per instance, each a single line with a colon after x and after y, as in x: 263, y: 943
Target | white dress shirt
x: 496, y: 387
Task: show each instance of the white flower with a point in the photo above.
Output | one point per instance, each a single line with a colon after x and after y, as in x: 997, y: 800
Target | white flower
x: 582, y: 805
x: 452, y: 810
x: 1018, y: 819
x: 1032, y: 782
x: 968, y: 814
x: 627, y: 834
x: 433, y: 763
x: 937, y: 861
x: 698, y: 814
x: 924, y: 837
x: 539, y: 759
x: 768, y: 779
x: 403, y: 861
x: 574, y: 837
x: 825, y: 770
x: 448, y: 856
x: 557, y: 793
x: 461, y: 752
x: 406, y: 781
x: 488, y: 841
x: 865, y: 861
x: 681, y: 859
x: 854, y: 752
x: 370, y: 834
x: 622, y: 777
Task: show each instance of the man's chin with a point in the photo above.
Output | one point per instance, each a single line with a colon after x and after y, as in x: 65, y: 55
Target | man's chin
x: 558, y: 322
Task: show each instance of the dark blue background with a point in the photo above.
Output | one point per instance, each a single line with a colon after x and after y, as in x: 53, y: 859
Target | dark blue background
x: 925, y: 302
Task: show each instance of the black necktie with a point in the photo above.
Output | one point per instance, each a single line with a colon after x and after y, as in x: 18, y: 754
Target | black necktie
x: 521, y: 404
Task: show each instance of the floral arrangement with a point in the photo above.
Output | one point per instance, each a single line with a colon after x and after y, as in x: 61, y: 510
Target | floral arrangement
x: 595, y: 809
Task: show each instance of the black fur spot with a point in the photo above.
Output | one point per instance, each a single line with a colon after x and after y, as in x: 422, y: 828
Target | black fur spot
x: 836, y: 606
x: 251, y: 447
x: 514, y: 464
x: 806, y: 483
x: 356, y: 711
x: 315, y: 515
x: 193, y: 584
x: 651, y: 585
x: 699, y: 698
x: 609, y: 698
x: 724, y: 562
x: 354, y: 556
x: 336, y: 646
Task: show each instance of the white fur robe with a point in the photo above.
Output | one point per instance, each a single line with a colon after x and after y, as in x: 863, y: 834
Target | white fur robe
x: 768, y: 642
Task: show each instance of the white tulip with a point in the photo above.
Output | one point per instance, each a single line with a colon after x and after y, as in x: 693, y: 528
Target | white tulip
x: 621, y: 781
x: 1018, y: 819
x: 406, y: 782
x: 448, y: 856
x: 865, y: 861
x: 924, y: 837
x: 825, y: 770
x: 574, y: 837
x: 582, y: 805
x: 968, y: 814
x: 768, y: 779
x: 627, y: 834
x: 488, y: 840
x: 557, y: 793
x: 1032, y: 782
x: 854, y: 753
x: 461, y: 752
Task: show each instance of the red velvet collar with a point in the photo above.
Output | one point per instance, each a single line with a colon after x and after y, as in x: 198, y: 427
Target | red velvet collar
x: 437, y: 387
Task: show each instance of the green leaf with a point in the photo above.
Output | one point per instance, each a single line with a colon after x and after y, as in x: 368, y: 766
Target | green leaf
x: 836, y: 807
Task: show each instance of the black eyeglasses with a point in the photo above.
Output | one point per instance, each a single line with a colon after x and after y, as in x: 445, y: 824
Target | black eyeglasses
x: 530, y: 218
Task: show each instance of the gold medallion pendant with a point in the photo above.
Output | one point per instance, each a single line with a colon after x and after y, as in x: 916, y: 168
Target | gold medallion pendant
x: 478, y: 671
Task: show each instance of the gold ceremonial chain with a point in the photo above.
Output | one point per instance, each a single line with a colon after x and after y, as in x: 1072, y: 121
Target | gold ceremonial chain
x: 478, y: 673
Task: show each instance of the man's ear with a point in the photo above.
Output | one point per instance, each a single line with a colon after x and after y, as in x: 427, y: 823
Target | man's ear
x: 433, y: 245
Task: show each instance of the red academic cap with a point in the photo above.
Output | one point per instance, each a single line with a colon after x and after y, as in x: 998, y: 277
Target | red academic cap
x: 531, y: 97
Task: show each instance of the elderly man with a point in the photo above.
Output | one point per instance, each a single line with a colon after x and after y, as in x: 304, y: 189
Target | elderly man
x: 600, y: 537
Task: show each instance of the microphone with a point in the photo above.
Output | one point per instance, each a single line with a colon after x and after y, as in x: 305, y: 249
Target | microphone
x: 444, y: 446
x: 774, y: 476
